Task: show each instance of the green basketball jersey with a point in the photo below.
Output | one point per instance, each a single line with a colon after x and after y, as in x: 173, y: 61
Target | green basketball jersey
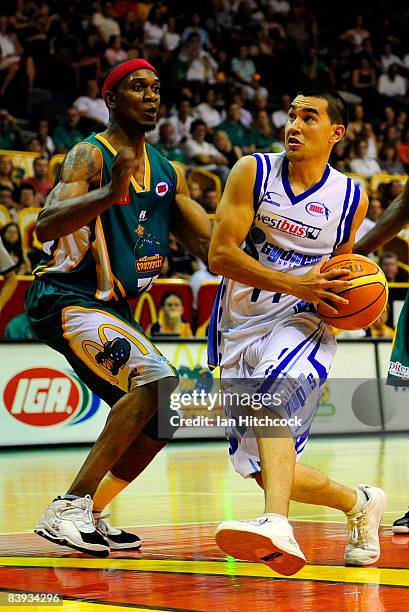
x: 122, y: 252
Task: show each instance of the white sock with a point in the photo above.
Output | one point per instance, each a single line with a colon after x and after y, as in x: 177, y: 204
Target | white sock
x: 361, y: 499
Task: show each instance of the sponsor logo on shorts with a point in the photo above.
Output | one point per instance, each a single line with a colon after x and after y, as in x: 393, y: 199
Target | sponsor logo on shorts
x: 288, y: 226
x: 316, y: 209
x: 149, y: 264
x: 162, y: 188
x: 42, y: 397
x: 114, y: 355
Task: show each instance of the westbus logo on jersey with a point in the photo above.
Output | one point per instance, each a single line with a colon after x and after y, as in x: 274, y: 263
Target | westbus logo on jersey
x: 41, y: 397
x: 288, y: 226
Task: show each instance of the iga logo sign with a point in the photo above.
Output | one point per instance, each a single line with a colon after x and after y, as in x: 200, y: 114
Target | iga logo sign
x: 41, y: 397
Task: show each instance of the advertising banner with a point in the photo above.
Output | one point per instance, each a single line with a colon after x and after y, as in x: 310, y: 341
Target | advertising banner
x: 42, y: 401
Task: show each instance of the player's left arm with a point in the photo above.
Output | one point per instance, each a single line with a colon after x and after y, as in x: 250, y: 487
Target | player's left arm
x: 358, y: 219
x: 395, y: 217
x: 190, y: 223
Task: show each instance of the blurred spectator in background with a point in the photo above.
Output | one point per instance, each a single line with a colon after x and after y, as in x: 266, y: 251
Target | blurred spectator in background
x: 210, y: 200
x: 388, y: 261
x: 390, y: 191
x: 403, y: 149
x: 170, y: 321
x: 131, y: 30
x: 206, y: 110
x: 114, y: 52
x: 389, y: 118
x: 43, y: 134
x: 364, y: 82
x: 375, y: 212
x: 392, y: 86
x: 182, y: 121
x: 315, y: 71
x: 388, y: 58
x: 361, y: 164
x: 7, y: 172
x: 280, y: 116
x: 388, y: 160
x: 356, y: 34
x: 10, y: 54
x: 201, y: 153
x: 7, y: 270
x: 195, y: 28
x: 91, y: 108
x: 104, y: 21
x: 155, y: 26
x: 181, y: 263
x: 239, y: 135
x: 6, y: 199
x: 40, y: 180
x: 368, y: 135
x: 356, y: 123
x: 223, y: 144
x: 262, y: 134
x: 171, y: 38
x: 67, y: 134
x: 10, y: 133
x: 201, y: 67
x: 11, y: 239
x: 166, y: 144
x: 26, y: 196
x: 196, y: 192
x: 244, y: 70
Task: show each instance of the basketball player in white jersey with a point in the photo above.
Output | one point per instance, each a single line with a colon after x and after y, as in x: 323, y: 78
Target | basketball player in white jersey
x: 281, y: 216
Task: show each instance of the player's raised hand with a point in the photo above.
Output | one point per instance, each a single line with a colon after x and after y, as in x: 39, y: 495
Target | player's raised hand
x: 323, y: 287
x: 122, y: 169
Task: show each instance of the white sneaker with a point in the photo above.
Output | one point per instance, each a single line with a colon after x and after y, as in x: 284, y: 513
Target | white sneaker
x: 363, y: 539
x: 69, y: 522
x: 117, y: 538
x: 267, y: 539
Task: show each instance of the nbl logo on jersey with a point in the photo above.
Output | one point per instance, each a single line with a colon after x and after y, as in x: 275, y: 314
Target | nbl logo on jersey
x: 289, y: 226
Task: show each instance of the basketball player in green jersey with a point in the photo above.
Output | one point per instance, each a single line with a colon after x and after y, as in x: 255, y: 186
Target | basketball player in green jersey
x: 105, y: 231
x: 395, y: 217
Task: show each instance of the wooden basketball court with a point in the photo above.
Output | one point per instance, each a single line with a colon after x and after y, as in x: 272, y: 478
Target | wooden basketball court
x: 175, y: 506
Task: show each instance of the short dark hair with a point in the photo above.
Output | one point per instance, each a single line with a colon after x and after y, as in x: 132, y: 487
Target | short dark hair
x: 388, y: 255
x: 197, y: 123
x: 337, y: 107
x: 169, y: 294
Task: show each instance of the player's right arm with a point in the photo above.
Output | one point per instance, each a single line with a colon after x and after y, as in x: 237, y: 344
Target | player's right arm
x: 395, y: 217
x: 78, y: 199
x: 234, y: 218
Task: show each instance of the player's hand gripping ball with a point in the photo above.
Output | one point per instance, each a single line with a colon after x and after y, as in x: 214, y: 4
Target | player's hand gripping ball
x: 367, y: 297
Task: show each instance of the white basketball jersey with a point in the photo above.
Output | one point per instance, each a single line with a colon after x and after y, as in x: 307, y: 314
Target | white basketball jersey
x: 290, y: 233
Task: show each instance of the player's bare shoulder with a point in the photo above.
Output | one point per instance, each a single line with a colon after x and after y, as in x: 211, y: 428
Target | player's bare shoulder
x: 82, y: 163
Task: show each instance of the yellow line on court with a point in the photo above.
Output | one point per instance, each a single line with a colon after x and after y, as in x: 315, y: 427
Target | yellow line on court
x: 323, y: 573
x: 69, y: 605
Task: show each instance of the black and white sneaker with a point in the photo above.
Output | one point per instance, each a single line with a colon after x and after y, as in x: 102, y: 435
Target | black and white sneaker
x: 118, y: 539
x: 401, y: 525
x: 69, y: 522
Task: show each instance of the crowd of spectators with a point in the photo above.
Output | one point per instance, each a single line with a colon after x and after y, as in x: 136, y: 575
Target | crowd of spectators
x: 229, y: 70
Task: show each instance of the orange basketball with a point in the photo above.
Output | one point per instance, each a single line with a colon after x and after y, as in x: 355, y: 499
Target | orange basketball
x: 367, y: 297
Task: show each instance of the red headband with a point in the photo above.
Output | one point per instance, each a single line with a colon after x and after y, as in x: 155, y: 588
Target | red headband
x: 121, y: 71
